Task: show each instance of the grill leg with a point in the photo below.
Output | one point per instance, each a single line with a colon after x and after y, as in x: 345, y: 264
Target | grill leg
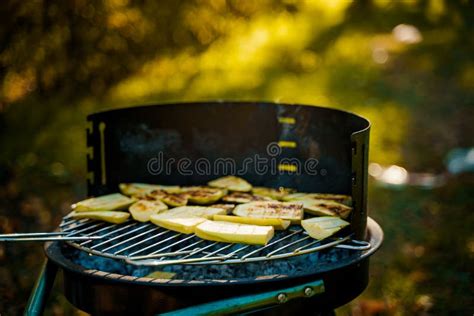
x: 40, y: 293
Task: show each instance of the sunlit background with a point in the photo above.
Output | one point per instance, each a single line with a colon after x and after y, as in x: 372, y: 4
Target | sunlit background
x: 408, y: 66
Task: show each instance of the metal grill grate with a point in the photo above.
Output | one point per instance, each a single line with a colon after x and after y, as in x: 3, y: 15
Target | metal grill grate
x: 150, y: 245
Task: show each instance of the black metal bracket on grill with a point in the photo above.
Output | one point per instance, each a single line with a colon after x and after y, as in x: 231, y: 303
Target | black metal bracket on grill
x: 95, y: 156
x: 360, y: 154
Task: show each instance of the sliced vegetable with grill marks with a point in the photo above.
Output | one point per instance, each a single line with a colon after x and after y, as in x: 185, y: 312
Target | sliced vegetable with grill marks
x: 203, y: 195
x: 113, y: 217
x: 234, y: 232
x: 277, y: 223
x: 227, y: 207
x: 276, y: 194
x: 231, y: 183
x: 157, y: 194
x: 323, y: 227
x: 191, y: 211
x: 271, y: 209
x: 184, y: 225
x: 184, y: 219
x: 240, y: 198
x: 326, y: 208
x: 141, y: 189
x: 110, y: 202
x: 340, y: 198
x: 176, y: 200
x: 142, y: 210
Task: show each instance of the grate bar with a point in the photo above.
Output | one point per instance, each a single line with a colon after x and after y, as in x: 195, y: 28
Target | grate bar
x: 119, y: 236
x: 270, y: 244
x: 78, y: 224
x: 96, y: 232
x: 141, y: 242
x: 75, y: 232
x: 155, y: 244
x: 198, y: 250
x: 217, y: 251
x: 287, y: 246
x: 172, y: 245
x: 118, y: 230
x: 130, y: 239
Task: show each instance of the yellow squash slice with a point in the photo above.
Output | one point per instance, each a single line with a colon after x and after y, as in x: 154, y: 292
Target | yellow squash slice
x: 204, y: 196
x: 143, y: 209
x: 185, y: 218
x: 231, y: 183
x: 276, y: 194
x: 141, y: 189
x: 234, y: 232
x: 271, y: 209
x: 175, y: 199
x: 277, y: 223
x: 227, y: 207
x: 323, y: 227
x: 157, y: 194
x: 110, y: 202
x: 191, y: 211
x: 240, y: 198
x: 326, y: 208
x: 184, y: 225
x: 340, y: 198
x: 113, y: 217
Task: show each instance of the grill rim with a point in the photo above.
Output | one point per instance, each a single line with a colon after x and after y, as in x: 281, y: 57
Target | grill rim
x: 53, y: 252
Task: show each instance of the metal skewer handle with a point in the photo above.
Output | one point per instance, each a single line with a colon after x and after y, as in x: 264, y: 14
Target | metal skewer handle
x: 52, y: 236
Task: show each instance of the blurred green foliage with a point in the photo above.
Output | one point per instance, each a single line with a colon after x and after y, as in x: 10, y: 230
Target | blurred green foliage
x: 406, y: 65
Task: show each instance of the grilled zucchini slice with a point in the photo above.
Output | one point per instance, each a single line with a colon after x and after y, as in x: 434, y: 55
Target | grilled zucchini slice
x: 271, y: 209
x: 323, y: 227
x: 231, y: 183
x: 113, y: 217
x: 234, y: 232
x: 184, y: 225
x: 110, y: 202
x: 184, y: 219
x: 176, y: 199
x: 326, y: 208
x: 277, y: 223
x: 240, y: 198
x: 141, y: 189
x: 340, y: 198
x: 276, y: 194
x: 191, y: 211
x: 227, y: 207
x: 143, y: 209
x: 204, y: 196
x: 296, y: 196
x: 157, y: 194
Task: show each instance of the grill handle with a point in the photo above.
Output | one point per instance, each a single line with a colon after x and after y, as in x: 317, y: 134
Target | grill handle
x: 40, y: 293
x: 253, y: 302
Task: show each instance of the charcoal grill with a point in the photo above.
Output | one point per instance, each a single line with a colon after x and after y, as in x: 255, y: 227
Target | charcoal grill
x: 132, y: 144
